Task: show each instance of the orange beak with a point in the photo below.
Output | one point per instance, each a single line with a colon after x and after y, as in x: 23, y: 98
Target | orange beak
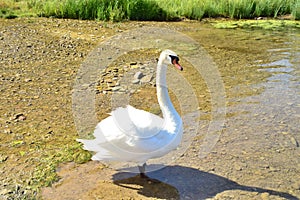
x: 177, y: 65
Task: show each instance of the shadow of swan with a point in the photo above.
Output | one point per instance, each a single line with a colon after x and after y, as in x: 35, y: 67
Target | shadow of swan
x: 178, y: 182
x: 148, y: 187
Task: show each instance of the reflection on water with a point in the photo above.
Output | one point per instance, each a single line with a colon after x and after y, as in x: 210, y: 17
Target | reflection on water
x: 282, y: 62
x: 284, y: 67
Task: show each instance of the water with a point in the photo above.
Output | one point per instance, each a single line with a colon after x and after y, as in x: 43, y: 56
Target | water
x: 259, y: 145
x: 257, y: 155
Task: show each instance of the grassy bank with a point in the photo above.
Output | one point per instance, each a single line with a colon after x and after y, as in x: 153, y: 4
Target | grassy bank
x: 161, y: 10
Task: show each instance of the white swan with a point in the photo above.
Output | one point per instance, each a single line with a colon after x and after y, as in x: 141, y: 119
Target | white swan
x: 134, y: 135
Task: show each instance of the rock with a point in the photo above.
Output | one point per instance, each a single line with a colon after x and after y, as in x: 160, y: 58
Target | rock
x: 19, y: 117
x: 294, y: 141
x: 265, y: 196
x: 3, y: 158
x: 108, y: 89
x: 138, y: 75
x: 109, y: 80
x: 4, y: 192
x: 7, y: 131
x: 28, y: 80
x: 133, y: 63
x: 122, y: 90
x: 135, y: 81
x: 142, y: 67
x: 238, y: 167
x: 147, y: 78
x: 132, y: 91
x: 117, y: 83
x: 114, y: 89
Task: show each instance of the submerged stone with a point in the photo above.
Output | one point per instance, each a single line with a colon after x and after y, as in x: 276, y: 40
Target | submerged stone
x: 138, y: 75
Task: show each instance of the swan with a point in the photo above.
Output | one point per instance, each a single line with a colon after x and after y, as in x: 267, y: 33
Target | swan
x: 134, y: 135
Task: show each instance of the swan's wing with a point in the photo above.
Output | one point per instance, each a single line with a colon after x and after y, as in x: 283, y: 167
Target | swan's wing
x: 137, y: 122
x: 110, y: 143
x: 130, y: 134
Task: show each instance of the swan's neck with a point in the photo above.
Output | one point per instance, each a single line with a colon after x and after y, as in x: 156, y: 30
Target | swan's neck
x: 166, y: 106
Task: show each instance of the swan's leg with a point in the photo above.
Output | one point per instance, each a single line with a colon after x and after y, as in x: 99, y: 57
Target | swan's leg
x: 142, y: 170
x: 143, y: 175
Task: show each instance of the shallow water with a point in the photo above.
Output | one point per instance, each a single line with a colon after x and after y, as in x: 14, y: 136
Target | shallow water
x: 262, y: 127
x: 257, y: 150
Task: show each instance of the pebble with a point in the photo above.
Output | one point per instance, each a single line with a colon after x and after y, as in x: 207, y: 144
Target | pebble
x: 238, y: 167
x: 138, y: 75
x: 133, y: 63
x: 108, y: 89
x: 4, y: 192
x: 135, y: 81
x: 147, y: 78
x: 132, y: 91
x: 3, y: 158
x: 265, y: 196
x: 142, y: 67
x: 109, y: 81
x: 7, y: 131
x: 294, y: 141
x: 117, y: 88
x: 18, y: 117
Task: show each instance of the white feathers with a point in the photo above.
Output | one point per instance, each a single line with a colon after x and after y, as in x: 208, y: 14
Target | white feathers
x: 125, y: 136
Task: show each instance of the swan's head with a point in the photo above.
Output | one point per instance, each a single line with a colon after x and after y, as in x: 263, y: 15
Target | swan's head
x: 170, y: 57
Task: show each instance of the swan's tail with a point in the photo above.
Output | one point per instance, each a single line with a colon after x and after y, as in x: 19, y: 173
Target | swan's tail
x: 90, y: 145
x: 93, y: 145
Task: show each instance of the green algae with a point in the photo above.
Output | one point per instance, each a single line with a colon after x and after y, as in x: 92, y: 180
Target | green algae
x: 267, y: 24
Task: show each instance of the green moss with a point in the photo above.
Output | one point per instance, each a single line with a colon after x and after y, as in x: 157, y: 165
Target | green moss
x: 45, y: 174
x: 82, y: 157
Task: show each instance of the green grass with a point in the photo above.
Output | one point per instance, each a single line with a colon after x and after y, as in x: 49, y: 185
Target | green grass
x: 108, y: 10
x: 296, y: 10
x: 238, y: 9
x: 118, y: 10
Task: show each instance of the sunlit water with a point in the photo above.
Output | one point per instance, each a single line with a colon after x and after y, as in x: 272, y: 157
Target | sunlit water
x: 264, y: 131
x: 259, y: 145
x: 271, y: 118
x: 280, y: 102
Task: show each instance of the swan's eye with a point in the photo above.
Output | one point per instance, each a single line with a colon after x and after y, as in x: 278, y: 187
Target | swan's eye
x: 174, y: 59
